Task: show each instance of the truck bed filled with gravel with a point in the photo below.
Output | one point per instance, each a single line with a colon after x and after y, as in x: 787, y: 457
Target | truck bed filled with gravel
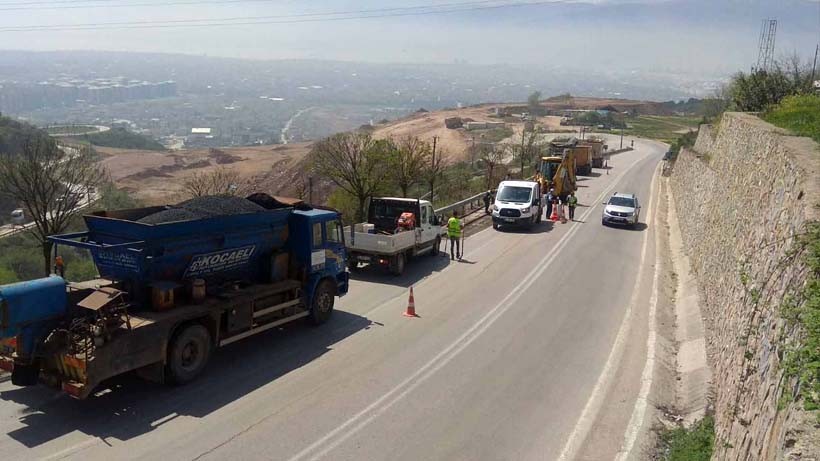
x: 202, y: 207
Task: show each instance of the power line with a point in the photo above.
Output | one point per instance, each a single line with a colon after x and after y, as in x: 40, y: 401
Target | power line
x: 287, y: 19
x: 104, y: 4
x: 294, y: 15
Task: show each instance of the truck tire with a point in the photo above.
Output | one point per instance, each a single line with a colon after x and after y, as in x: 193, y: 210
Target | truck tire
x: 352, y: 264
x: 436, y: 245
x: 397, y: 264
x: 188, y: 354
x: 322, y: 306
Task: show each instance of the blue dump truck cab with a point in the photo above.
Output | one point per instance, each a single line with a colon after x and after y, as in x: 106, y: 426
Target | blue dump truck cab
x: 175, y: 283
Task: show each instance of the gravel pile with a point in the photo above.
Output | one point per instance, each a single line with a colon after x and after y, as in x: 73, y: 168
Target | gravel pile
x: 202, y: 207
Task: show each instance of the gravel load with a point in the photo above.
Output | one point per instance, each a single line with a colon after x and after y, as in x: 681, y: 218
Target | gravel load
x: 202, y: 207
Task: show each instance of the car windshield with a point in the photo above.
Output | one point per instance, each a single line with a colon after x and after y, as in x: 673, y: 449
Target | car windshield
x: 514, y: 194
x: 622, y: 201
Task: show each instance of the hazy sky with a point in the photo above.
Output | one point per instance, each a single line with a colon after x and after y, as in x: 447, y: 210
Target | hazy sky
x: 717, y: 36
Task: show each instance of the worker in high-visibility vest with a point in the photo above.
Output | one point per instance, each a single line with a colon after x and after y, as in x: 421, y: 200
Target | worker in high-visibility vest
x: 454, y: 226
x: 572, y: 201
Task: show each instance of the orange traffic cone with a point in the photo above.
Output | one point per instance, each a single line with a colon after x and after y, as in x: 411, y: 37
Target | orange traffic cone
x: 554, y: 215
x: 411, y: 306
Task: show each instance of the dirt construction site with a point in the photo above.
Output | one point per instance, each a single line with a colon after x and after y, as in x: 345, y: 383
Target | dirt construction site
x: 157, y: 177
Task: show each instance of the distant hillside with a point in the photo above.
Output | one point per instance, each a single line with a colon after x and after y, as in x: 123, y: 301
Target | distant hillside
x: 13, y: 135
x: 122, y: 139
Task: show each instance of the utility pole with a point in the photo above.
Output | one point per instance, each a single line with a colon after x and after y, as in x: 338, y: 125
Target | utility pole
x: 310, y: 189
x: 814, y: 66
x: 622, y: 137
x: 433, y: 170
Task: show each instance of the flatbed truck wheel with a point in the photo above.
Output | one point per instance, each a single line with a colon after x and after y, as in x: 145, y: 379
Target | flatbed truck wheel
x: 322, y: 303
x: 188, y: 354
x: 397, y: 264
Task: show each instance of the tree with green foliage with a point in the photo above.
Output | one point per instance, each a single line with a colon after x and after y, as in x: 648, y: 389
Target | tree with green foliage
x: 356, y: 162
x: 760, y: 89
x: 534, y: 102
x: 51, y: 186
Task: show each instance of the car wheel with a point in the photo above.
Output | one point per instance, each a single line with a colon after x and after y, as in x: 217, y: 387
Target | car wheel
x: 603, y: 222
x: 188, y: 354
x: 322, y: 303
x: 495, y: 226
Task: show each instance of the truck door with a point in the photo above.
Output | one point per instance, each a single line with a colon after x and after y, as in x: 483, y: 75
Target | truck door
x: 428, y: 230
x: 336, y: 258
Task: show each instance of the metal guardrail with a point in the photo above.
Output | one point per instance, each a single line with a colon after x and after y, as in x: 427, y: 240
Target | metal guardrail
x: 472, y: 202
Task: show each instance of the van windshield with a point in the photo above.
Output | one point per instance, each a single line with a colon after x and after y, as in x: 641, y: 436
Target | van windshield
x: 514, y: 194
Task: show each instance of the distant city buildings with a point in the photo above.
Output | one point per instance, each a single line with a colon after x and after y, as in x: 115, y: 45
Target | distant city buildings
x: 65, y: 92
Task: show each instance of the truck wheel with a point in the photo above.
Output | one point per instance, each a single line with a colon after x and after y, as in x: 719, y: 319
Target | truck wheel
x: 322, y: 306
x: 436, y: 245
x: 188, y: 354
x: 397, y: 264
x: 353, y: 265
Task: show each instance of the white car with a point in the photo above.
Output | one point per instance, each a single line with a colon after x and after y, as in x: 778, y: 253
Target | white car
x: 518, y: 203
x: 621, y: 209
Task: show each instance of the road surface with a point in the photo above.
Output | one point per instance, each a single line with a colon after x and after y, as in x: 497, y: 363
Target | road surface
x: 533, y: 347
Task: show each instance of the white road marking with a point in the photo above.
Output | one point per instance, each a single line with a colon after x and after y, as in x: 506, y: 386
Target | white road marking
x: 595, y: 401
x: 356, y: 422
x: 636, y: 421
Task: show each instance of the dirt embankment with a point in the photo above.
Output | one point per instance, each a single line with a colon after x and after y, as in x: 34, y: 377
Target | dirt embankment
x: 157, y: 177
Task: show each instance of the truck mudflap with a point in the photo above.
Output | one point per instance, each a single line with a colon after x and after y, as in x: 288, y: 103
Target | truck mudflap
x: 8, y: 349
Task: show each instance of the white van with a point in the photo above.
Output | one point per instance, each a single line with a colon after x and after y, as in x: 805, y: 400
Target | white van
x: 18, y: 217
x: 518, y: 203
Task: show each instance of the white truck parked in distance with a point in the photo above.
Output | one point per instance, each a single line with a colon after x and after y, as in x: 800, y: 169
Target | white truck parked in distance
x: 396, y: 230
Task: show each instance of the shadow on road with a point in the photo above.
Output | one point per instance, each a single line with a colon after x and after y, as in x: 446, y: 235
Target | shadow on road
x: 127, y: 407
x: 414, y: 270
x: 638, y: 227
x: 540, y: 228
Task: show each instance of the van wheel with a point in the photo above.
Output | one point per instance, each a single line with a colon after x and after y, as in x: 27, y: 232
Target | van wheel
x: 323, y: 299
x: 188, y: 354
x: 397, y: 264
x: 540, y: 213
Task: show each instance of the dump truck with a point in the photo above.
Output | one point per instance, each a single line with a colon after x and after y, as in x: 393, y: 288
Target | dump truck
x: 598, y: 148
x: 583, y: 159
x: 397, y: 229
x: 175, y: 283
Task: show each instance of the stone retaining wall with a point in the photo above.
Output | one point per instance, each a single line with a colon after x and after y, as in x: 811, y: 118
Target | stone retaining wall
x: 742, y: 196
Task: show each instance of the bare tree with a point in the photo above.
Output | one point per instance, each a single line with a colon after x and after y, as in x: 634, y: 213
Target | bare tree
x: 411, y: 157
x: 434, y: 168
x: 491, y: 156
x: 51, y: 186
x: 526, y: 148
x: 355, y: 162
x: 221, y: 181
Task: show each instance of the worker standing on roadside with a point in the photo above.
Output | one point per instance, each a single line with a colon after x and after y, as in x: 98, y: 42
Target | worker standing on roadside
x: 487, y: 198
x: 454, y: 227
x: 59, y: 266
x: 550, y: 201
x: 572, y: 202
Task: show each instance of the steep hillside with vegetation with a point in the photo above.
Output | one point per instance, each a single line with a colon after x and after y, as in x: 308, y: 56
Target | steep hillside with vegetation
x: 123, y: 139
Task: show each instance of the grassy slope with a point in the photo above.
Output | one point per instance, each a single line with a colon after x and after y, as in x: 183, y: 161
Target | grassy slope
x: 661, y: 127
x: 800, y: 114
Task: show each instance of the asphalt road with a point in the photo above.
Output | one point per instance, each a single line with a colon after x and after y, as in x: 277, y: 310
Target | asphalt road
x: 511, y: 358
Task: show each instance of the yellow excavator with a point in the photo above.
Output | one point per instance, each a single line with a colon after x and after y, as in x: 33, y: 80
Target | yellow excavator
x: 557, y: 171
